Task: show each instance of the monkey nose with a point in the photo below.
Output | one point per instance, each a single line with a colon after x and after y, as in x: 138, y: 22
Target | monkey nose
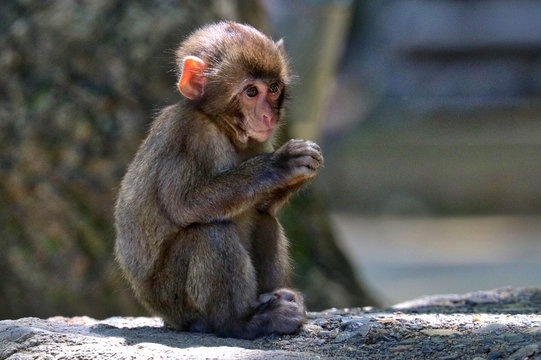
x: 268, y: 120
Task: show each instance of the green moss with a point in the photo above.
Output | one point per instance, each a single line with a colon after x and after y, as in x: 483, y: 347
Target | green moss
x: 52, y: 244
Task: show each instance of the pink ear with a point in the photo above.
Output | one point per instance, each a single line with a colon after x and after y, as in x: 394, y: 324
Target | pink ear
x: 192, y: 81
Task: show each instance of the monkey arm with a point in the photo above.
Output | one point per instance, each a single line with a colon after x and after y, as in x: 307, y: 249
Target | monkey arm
x: 274, y: 201
x: 218, y: 197
x: 190, y: 190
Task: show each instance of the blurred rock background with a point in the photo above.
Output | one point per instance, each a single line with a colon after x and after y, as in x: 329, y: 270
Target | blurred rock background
x: 428, y: 112
x: 433, y: 145
x: 80, y: 82
x: 440, y: 105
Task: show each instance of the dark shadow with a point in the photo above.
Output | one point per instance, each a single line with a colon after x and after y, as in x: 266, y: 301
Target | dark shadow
x: 168, y: 337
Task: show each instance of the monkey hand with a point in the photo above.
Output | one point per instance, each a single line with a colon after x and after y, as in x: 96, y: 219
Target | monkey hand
x: 298, y: 160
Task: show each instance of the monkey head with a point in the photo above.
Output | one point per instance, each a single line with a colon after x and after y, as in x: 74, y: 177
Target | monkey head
x: 236, y: 76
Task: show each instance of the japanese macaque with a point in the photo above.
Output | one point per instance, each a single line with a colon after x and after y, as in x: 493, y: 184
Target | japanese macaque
x: 197, y: 233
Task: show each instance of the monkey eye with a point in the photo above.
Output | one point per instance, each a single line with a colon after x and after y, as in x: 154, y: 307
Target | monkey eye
x: 251, y: 91
x: 274, y: 88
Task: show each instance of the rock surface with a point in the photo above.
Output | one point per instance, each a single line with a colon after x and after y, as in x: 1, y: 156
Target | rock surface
x: 495, y: 324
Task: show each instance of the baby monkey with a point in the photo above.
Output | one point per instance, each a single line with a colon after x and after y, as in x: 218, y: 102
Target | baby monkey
x: 197, y: 233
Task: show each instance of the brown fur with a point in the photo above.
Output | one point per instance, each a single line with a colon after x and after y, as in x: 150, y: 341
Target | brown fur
x: 197, y: 235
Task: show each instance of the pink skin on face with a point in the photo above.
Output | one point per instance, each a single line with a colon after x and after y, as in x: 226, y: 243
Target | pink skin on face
x: 257, y: 99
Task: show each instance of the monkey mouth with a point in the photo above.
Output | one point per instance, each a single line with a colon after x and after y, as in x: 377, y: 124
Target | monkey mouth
x: 244, y: 129
x: 260, y: 135
x: 264, y: 125
x: 261, y: 131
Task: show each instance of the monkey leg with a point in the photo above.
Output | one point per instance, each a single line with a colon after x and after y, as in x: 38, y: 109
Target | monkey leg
x: 280, y: 310
x: 221, y: 289
x: 269, y: 254
x: 221, y: 285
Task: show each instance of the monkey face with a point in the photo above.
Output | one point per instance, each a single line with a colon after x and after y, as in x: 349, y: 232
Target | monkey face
x: 259, y: 101
x: 237, y: 77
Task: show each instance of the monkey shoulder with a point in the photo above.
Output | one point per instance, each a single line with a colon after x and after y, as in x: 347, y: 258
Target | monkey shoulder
x: 190, y: 140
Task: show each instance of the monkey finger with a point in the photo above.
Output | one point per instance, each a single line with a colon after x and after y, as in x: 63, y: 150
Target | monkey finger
x: 316, y: 155
x: 313, y: 144
x: 287, y: 147
x: 313, y: 164
x: 299, y: 144
x: 311, y: 159
x: 305, y: 161
x: 292, y: 143
x: 301, y: 149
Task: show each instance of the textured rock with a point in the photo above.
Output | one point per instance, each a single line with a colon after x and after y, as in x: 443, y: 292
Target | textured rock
x: 445, y: 329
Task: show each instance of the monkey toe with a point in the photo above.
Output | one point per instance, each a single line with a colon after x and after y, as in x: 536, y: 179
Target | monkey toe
x: 280, y: 316
x: 287, y: 317
x: 265, y: 298
x: 285, y: 294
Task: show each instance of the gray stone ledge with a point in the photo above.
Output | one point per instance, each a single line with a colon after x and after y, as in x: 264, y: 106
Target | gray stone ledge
x: 495, y: 324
